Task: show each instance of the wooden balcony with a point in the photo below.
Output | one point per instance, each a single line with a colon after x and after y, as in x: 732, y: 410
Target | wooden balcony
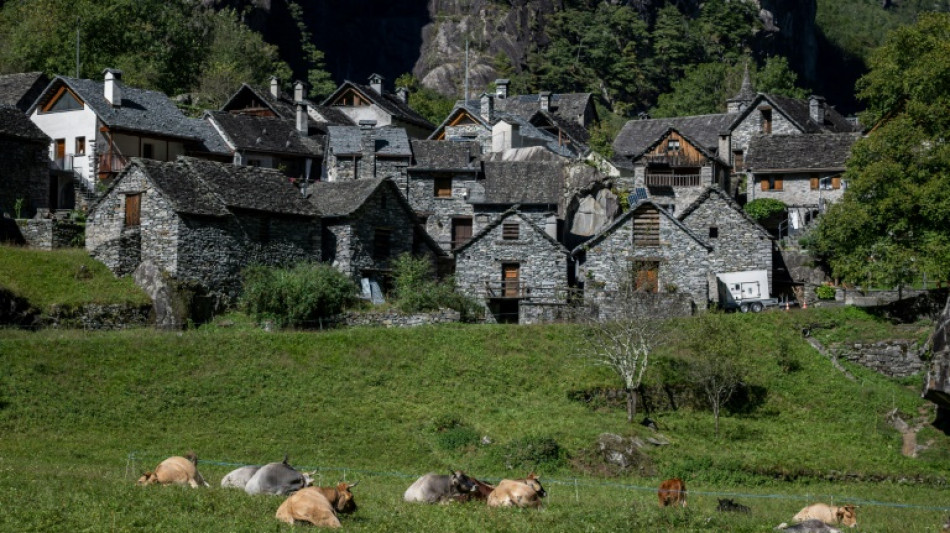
x: 111, y: 163
x: 673, y: 180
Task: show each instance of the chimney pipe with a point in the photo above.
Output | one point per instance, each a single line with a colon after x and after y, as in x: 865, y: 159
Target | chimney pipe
x: 376, y: 82
x: 816, y: 109
x: 487, y: 107
x: 113, y: 91
x: 274, y: 87
x: 403, y: 94
x: 302, y: 126
x: 300, y: 91
x: 545, y: 98
x: 501, y: 88
x: 367, y: 167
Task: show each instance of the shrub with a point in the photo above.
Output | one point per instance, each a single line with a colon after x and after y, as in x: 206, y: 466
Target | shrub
x: 763, y: 208
x: 416, y: 289
x: 825, y: 292
x: 534, y: 453
x: 451, y: 433
x: 301, y: 295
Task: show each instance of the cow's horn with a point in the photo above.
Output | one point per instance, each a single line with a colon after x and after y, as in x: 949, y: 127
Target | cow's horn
x: 351, y: 485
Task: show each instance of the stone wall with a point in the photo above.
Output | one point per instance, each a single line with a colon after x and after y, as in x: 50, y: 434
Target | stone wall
x: 751, y: 126
x: 894, y: 358
x: 683, y: 262
x: 542, y: 269
x: 47, y: 234
x: 395, y: 319
x: 98, y: 317
x: 395, y: 168
x: 24, y: 174
x: 439, y: 212
x: 796, y: 190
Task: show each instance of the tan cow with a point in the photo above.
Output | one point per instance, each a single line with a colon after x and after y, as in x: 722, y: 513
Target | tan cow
x: 672, y: 492
x: 308, y: 505
x: 175, y: 471
x: 518, y: 493
x: 829, y: 514
x: 340, y: 497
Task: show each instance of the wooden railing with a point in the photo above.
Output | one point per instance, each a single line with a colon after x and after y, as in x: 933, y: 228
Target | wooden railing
x: 672, y: 180
x: 112, y: 162
x: 507, y: 289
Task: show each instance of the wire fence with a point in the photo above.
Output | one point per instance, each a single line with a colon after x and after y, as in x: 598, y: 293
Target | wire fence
x: 134, y: 458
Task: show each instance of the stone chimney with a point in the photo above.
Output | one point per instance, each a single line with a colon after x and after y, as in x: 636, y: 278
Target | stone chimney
x: 501, y: 88
x: 113, y: 89
x: 376, y: 82
x: 403, y: 94
x: 302, y: 125
x: 816, y: 109
x: 487, y: 107
x: 545, y: 99
x: 300, y: 91
x: 274, y: 87
x: 367, y: 168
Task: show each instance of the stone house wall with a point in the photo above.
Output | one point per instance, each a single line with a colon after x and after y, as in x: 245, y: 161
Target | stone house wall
x: 678, y: 198
x: 475, y: 132
x: 24, y: 173
x: 751, y: 126
x: 683, y: 262
x: 542, y: 269
x: 740, y: 245
x: 395, y: 168
x: 342, y: 168
x: 796, y: 189
x: 439, y: 212
x: 48, y: 234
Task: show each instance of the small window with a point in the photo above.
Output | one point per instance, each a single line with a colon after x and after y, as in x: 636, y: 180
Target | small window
x: 148, y: 151
x: 253, y: 162
x: 713, y: 232
x: 814, y: 182
x: 80, y: 146
x: 381, y: 243
x: 772, y: 184
x: 442, y: 188
x: 133, y: 210
x: 510, y: 231
x: 646, y: 226
x: 644, y: 276
x: 673, y: 145
x: 767, y: 121
x: 836, y: 182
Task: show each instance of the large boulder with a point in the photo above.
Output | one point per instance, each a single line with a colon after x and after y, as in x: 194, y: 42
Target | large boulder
x: 937, y: 381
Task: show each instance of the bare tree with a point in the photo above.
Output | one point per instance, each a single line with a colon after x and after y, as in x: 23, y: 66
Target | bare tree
x: 622, y: 336
x: 712, y: 344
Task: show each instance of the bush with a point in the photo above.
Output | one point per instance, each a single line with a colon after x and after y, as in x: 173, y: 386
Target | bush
x: 534, y: 453
x: 763, y: 208
x: 417, y: 290
x: 451, y: 433
x: 825, y: 292
x: 301, y: 295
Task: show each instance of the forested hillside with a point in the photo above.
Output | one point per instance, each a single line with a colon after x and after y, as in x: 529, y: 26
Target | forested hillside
x: 667, y: 57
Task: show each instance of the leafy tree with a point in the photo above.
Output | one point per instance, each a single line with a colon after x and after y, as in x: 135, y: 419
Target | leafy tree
x: 776, y: 77
x: 893, y: 222
x: 321, y: 83
x: 763, y: 208
x: 711, y: 347
x: 425, y: 101
x: 417, y: 289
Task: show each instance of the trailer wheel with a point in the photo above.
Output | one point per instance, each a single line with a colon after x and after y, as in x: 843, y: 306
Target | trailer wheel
x: 744, y: 308
x: 756, y: 307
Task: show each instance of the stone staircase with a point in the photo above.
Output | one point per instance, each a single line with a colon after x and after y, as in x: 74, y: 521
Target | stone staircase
x: 85, y: 195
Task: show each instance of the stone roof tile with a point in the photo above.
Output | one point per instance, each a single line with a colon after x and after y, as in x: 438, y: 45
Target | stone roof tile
x: 445, y: 155
x: 637, y: 136
x: 800, y: 152
x: 522, y: 182
x: 13, y: 123
x: 22, y: 89
x: 263, y: 134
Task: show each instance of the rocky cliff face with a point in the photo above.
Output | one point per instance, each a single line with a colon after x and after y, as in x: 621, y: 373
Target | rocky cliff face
x: 427, y: 37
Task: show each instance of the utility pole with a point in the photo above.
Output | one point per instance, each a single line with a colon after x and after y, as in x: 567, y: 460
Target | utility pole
x: 77, y: 47
x: 466, y: 69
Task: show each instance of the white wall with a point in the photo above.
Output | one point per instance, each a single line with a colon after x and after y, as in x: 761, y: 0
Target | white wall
x: 69, y: 125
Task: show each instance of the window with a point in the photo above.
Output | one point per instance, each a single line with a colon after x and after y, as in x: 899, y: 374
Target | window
x: 133, y: 209
x: 673, y: 145
x: 510, y: 231
x: 646, y: 226
x: 772, y: 184
x: 60, y: 149
x: 64, y: 100
x: 148, y: 151
x: 80, y: 146
x: 461, y: 231
x: 644, y: 276
x: 442, y: 188
x: 767, y: 121
x: 836, y: 182
x: 738, y: 160
x: 814, y: 182
x: 510, y: 280
x: 381, y: 243
x: 713, y: 232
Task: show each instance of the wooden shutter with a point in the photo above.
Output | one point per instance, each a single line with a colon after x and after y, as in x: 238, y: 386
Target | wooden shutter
x: 133, y: 209
x: 646, y: 226
x: 461, y: 231
x: 814, y: 183
x: 510, y: 231
x: 60, y: 149
x: 836, y: 182
x: 511, y: 273
x: 765, y: 184
x: 778, y: 184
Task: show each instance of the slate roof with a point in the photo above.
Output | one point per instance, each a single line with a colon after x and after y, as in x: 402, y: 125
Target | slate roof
x: 387, y: 101
x: 827, y: 151
x: 200, y: 187
x: 637, y: 136
x: 567, y: 106
x: 574, y: 131
x: 798, y: 111
x: 513, y: 211
x: 141, y: 110
x: 715, y: 190
x: 22, y: 89
x: 623, y: 218
x: 332, y: 115
x: 13, y: 123
x: 522, y: 182
x: 445, y: 155
x: 211, y: 140
x: 264, y: 134
x: 342, y: 198
x: 284, y: 107
x: 388, y: 141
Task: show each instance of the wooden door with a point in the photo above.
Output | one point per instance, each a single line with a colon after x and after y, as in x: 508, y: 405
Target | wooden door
x: 510, y: 275
x: 461, y: 231
x: 60, y: 150
x: 133, y: 207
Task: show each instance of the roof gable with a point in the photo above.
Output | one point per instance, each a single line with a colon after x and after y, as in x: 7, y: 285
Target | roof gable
x: 637, y: 136
x: 248, y: 99
x: 21, y: 89
x: 621, y: 220
x: 714, y: 190
x: 350, y: 94
x: 457, y: 116
x: 512, y: 212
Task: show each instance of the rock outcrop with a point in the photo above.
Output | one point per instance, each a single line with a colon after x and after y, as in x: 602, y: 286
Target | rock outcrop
x: 937, y: 381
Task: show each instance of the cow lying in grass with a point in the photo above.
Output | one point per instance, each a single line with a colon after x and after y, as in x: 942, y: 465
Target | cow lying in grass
x: 672, y: 492
x: 518, y: 493
x: 319, y: 506
x: 434, y: 488
x: 808, y: 526
x: 175, y: 471
x: 830, y: 514
x: 277, y: 478
x: 481, y: 492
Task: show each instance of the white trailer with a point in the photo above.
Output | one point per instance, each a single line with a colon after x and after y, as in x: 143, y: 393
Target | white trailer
x: 745, y: 291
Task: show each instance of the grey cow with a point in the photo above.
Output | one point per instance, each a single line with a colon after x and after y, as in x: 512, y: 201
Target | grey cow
x: 239, y: 477
x: 435, y: 488
x: 277, y: 478
x: 809, y: 526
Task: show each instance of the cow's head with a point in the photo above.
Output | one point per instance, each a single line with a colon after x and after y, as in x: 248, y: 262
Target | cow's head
x: 147, y: 478
x: 308, y: 478
x: 344, y: 501
x: 462, y: 482
x: 534, y: 482
x: 846, y: 515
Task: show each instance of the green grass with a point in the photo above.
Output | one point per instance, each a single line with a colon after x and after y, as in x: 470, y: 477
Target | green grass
x: 48, y: 278
x: 366, y: 403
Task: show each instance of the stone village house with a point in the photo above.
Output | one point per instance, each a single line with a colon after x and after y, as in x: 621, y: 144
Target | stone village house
x: 373, y: 103
x: 201, y: 221
x: 368, y: 152
x: 24, y: 165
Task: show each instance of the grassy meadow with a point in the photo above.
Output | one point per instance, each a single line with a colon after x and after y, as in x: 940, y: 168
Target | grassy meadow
x: 82, y: 414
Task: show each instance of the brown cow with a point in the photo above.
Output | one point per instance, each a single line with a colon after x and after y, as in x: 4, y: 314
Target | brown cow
x: 175, y: 471
x: 481, y: 492
x: 829, y: 514
x: 340, y: 497
x: 672, y: 492
x: 518, y: 493
x: 308, y: 505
